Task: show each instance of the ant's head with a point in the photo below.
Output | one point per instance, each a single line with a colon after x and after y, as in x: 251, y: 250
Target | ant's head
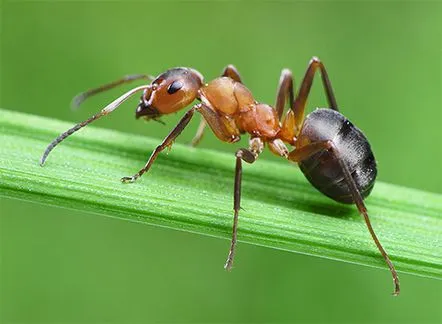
x: 169, y: 92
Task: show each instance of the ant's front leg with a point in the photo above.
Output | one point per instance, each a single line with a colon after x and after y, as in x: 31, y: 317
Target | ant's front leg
x: 250, y: 155
x: 223, y: 128
x: 167, y: 142
x: 231, y: 72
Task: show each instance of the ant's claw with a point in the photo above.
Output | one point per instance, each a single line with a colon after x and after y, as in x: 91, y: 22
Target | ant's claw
x: 228, y: 267
x: 128, y: 179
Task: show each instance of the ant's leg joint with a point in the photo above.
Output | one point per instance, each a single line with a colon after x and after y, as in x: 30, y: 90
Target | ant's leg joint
x: 256, y: 146
x: 286, y: 73
x: 315, y: 59
x: 246, y: 155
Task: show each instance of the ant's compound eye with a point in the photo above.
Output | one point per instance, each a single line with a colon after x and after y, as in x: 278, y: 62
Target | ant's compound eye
x: 174, y: 87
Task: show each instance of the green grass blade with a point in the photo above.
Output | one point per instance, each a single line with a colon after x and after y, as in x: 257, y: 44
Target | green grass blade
x: 191, y: 190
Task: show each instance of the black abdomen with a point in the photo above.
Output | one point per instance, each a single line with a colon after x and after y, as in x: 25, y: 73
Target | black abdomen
x: 323, y: 170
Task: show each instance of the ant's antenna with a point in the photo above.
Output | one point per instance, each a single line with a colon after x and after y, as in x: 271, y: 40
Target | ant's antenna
x: 105, y: 111
x: 78, y: 99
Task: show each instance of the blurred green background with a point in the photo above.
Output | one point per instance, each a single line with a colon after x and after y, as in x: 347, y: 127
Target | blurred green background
x: 58, y: 265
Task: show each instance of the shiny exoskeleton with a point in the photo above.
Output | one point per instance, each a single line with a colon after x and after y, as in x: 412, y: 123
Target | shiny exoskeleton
x: 322, y: 168
x: 334, y: 155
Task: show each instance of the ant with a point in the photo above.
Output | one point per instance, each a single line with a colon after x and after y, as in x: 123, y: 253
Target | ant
x: 333, y: 154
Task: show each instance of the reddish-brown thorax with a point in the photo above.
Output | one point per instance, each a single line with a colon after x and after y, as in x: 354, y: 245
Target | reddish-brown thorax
x: 239, y: 112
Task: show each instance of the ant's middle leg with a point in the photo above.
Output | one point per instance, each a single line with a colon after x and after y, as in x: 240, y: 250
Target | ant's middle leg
x: 167, y: 142
x: 250, y: 155
x: 199, y: 133
x: 286, y: 93
x: 231, y: 72
x: 285, y: 89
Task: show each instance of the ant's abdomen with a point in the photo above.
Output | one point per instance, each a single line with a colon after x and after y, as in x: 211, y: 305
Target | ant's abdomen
x: 323, y: 169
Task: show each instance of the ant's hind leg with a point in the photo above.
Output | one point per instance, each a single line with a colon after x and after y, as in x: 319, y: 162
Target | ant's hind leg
x: 231, y: 72
x: 167, y: 142
x: 304, y: 90
x: 305, y: 152
x: 248, y: 155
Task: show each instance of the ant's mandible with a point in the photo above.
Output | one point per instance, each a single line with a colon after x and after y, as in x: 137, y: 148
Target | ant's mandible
x: 333, y: 154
